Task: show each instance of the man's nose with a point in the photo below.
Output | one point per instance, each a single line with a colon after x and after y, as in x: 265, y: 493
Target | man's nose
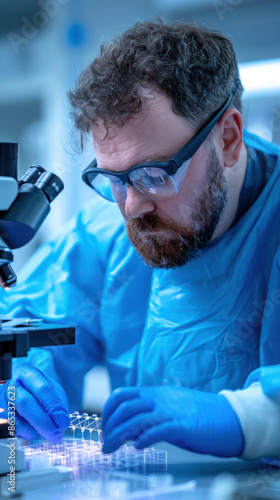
x: 137, y: 204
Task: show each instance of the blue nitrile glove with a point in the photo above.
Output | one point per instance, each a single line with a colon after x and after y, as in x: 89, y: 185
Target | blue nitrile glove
x: 197, y: 421
x: 40, y: 402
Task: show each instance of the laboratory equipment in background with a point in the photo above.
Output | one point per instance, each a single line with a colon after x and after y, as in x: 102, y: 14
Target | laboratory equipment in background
x: 24, y: 204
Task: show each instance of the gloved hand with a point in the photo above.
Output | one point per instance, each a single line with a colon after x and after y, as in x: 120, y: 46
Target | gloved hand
x: 40, y: 402
x: 197, y: 421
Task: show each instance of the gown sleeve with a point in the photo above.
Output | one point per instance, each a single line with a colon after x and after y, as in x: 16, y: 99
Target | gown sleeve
x: 258, y: 404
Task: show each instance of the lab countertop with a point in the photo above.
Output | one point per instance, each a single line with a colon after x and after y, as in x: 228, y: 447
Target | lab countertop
x: 193, y: 476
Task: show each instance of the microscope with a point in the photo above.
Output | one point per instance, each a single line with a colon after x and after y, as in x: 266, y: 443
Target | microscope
x: 24, y: 204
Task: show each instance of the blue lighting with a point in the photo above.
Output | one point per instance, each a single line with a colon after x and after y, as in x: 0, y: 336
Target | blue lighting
x: 76, y: 34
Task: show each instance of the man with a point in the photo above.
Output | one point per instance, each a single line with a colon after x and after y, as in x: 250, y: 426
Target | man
x: 183, y: 318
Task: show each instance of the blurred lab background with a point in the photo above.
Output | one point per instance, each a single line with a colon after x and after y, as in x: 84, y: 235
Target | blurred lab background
x: 44, y: 44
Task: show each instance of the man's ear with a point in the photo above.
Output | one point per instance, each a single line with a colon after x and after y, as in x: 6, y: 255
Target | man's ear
x: 230, y: 136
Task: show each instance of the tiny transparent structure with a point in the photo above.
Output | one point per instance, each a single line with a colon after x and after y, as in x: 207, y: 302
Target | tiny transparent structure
x: 86, y: 424
x: 82, y: 451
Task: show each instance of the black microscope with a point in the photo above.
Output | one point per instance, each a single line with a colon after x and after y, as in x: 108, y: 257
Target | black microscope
x: 24, y: 204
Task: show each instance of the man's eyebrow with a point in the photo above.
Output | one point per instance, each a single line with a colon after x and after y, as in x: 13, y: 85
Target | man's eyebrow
x: 149, y: 160
x: 158, y: 158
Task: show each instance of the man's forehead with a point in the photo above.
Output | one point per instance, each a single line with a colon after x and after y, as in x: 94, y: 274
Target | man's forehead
x: 123, y: 153
x: 154, y: 134
x: 157, y: 112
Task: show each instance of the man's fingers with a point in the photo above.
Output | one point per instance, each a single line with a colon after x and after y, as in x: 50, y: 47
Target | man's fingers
x: 24, y: 429
x: 28, y: 408
x: 128, y: 431
x: 165, y: 431
x: 125, y: 411
x: 116, y: 398
x: 40, y: 387
x: 59, y: 391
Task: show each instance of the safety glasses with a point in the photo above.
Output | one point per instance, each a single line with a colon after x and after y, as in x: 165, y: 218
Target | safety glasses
x: 160, y: 179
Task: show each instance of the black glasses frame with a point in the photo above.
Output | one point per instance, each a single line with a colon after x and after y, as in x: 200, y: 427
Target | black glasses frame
x: 171, y: 166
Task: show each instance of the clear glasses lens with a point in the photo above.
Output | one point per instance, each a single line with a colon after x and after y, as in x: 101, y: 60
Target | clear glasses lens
x: 109, y: 187
x: 147, y: 180
x: 151, y: 180
x: 156, y: 181
x: 180, y: 174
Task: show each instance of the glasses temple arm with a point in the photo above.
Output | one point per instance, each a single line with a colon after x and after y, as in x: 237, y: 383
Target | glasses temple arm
x: 196, y: 141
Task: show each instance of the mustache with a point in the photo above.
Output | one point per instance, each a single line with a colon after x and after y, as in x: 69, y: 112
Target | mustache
x: 162, y: 244
x: 153, y: 224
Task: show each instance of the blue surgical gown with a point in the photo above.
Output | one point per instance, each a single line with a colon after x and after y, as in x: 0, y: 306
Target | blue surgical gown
x: 206, y: 325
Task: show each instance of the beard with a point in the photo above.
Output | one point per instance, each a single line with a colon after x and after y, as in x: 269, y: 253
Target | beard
x: 165, y: 244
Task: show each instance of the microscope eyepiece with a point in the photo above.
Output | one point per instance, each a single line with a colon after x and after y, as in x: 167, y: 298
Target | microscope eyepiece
x: 50, y: 184
x: 22, y: 215
x: 32, y: 175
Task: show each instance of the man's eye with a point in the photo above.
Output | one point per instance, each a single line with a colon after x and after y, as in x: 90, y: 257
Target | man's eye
x: 158, y: 179
x: 155, y: 172
x: 157, y: 175
x: 162, y: 179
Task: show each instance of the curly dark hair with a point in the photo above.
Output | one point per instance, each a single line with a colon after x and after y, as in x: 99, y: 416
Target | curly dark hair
x: 195, y: 66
